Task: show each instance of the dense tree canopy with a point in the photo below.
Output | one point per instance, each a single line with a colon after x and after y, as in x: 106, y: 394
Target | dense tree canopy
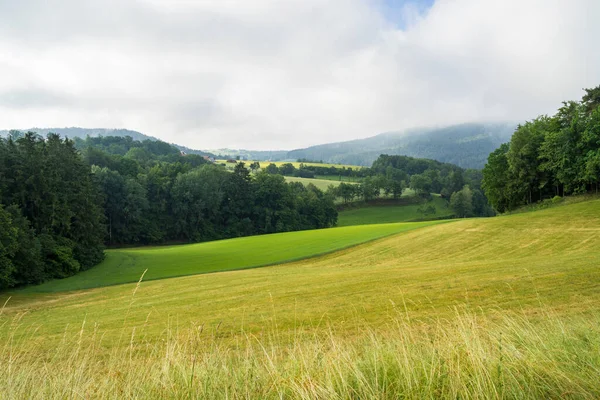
x: 59, y: 205
x: 548, y: 156
x: 51, y: 210
x: 391, y: 175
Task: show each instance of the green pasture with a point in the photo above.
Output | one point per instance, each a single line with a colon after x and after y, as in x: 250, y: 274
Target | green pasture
x: 503, y: 307
x: 339, y: 178
x: 264, y: 164
x: 128, y: 265
x: 322, y: 184
x: 383, y: 214
x: 511, y: 262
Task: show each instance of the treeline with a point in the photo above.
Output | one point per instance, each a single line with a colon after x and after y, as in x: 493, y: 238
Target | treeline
x: 311, y: 171
x: 134, y: 153
x: 307, y: 160
x: 549, y: 156
x: 60, y: 206
x: 159, y: 196
x: 391, y: 175
x: 51, y: 220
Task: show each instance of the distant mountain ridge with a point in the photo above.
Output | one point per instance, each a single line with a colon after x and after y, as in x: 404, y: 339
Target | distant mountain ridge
x: 82, y: 133
x: 259, y: 155
x: 466, y: 145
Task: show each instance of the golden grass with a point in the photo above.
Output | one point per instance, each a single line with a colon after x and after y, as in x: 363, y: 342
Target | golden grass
x: 467, y: 356
x: 481, y: 308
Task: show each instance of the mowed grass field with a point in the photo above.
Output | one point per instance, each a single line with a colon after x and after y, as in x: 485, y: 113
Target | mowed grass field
x: 264, y: 164
x: 391, y: 213
x: 322, y: 184
x: 502, y: 307
x: 128, y: 265
x: 338, y: 178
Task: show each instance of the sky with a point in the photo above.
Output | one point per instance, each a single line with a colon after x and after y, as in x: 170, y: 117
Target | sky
x: 284, y: 74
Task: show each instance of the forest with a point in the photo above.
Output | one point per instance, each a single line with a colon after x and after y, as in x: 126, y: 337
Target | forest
x: 63, y: 201
x: 550, y: 156
x: 391, y: 175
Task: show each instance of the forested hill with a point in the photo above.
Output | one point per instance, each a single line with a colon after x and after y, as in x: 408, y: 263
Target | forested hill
x: 549, y: 156
x: 62, y: 200
x: 82, y: 133
x: 465, y: 145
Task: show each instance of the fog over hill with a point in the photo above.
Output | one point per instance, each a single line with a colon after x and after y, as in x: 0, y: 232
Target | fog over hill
x: 466, y: 145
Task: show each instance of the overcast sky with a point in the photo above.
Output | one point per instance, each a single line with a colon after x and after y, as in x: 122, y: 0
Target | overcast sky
x: 282, y: 74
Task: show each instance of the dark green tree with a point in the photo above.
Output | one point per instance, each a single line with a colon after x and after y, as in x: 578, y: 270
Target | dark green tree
x: 462, y: 202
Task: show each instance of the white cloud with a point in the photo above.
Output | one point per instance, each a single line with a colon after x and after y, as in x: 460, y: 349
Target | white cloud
x: 273, y: 74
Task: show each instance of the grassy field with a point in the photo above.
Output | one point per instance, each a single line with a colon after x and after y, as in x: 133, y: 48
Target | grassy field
x: 264, y: 164
x: 502, y: 307
x: 390, y: 213
x: 322, y: 184
x: 127, y: 265
x: 338, y: 178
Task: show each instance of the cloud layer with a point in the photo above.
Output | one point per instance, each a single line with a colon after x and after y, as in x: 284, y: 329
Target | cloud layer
x: 286, y: 74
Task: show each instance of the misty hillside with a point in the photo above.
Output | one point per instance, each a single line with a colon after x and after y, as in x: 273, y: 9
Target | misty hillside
x: 260, y: 155
x: 466, y: 145
x: 82, y: 133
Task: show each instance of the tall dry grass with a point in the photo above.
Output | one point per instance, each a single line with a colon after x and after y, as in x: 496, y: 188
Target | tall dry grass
x: 506, y: 355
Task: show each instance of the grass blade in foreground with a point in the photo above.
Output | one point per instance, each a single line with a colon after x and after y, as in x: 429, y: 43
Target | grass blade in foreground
x: 127, y: 265
x: 472, y: 357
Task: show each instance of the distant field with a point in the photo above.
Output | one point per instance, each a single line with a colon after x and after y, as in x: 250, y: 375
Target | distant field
x: 264, y: 164
x: 339, y: 178
x: 390, y: 213
x: 127, y: 265
x: 322, y: 184
x: 503, y: 307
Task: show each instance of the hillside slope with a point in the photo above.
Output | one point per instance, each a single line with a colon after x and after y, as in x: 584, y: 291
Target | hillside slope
x: 82, y: 133
x: 465, y: 145
x: 390, y: 213
x: 512, y: 262
x: 128, y: 265
x: 501, y: 307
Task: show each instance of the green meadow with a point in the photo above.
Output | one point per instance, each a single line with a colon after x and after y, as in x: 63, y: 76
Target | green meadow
x: 322, y: 184
x: 128, y: 265
x: 264, y: 164
x: 503, y: 307
x: 383, y: 214
x: 339, y: 178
